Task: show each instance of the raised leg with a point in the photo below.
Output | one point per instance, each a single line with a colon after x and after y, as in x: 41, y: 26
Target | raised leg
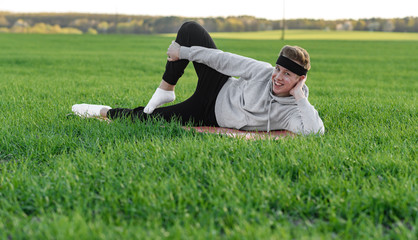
x: 200, y: 107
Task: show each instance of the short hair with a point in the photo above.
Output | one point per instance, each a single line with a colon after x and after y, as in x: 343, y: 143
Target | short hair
x: 297, y: 54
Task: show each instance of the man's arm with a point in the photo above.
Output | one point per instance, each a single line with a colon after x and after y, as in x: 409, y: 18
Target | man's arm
x: 226, y: 63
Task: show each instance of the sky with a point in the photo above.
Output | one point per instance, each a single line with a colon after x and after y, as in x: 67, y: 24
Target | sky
x: 269, y: 9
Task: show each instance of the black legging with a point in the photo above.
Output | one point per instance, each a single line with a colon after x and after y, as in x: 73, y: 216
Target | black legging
x: 199, y: 109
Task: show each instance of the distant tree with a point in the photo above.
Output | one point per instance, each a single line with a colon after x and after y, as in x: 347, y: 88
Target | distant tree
x: 91, y: 31
x: 415, y: 27
x: 233, y: 24
x: 4, y: 22
x: 55, y: 29
x: 276, y: 25
x: 400, y: 25
x: 124, y: 28
x: 210, y: 24
x: 137, y: 24
x: 69, y: 30
x: 102, y: 27
x: 250, y: 23
x: 83, y: 24
x: 388, y: 26
x: 21, y: 23
x: 39, y: 28
x: 20, y: 26
x: 168, y: 24
x: 147, y: 25
x: 220, y: 24
x: 410, y: 24
x: 373, y: 26
x: 4, y: 30
x: 345, y: 26
x: 360, y: 25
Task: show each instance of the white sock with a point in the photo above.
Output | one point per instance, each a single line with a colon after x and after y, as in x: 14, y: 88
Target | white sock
x: 159, y: 98
x: 88, y: 110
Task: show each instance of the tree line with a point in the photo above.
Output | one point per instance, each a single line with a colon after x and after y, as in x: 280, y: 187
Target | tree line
x: 78, y: 23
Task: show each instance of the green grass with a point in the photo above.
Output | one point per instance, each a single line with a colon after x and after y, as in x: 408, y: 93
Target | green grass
x: 70, y: 178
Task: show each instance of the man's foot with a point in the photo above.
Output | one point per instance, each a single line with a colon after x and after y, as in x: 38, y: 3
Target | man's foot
x: 88, y: 110
x: 159, y: 98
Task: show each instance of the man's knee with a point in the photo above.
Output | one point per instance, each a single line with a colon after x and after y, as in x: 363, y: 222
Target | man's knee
x: 193, y: 34
x: 190, y: 26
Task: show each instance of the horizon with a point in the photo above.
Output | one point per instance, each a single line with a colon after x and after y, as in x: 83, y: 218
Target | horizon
x: 318, y: 10
x: 128, y: 14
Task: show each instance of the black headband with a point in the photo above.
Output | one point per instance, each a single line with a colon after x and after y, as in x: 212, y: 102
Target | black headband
x: 292, y: 66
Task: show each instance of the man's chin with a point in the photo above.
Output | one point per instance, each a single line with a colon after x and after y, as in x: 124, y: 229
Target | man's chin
x: 281, y: 94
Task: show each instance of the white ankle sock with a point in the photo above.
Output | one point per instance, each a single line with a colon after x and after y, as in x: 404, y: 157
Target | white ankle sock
x: 159, y: 98
x: 88, y: 110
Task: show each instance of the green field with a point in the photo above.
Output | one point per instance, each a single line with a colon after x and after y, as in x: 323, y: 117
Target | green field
x: 62, y: 177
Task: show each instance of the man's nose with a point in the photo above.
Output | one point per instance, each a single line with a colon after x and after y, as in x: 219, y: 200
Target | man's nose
x: 277, y: 76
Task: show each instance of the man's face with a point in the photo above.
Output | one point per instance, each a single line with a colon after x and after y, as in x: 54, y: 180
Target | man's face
x: 283, y: 81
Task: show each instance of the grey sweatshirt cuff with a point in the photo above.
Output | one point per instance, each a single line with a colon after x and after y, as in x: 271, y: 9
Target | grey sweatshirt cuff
x: 184, y: 53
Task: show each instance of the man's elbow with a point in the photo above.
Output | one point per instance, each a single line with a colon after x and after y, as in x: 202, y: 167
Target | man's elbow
x: 313, y: 131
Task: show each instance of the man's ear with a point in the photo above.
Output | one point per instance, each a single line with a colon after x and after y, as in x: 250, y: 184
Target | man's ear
x: 303, y: 77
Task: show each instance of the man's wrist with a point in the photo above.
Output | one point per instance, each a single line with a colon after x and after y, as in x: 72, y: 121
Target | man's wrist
x: 184, y: 52
x: 299, y: 95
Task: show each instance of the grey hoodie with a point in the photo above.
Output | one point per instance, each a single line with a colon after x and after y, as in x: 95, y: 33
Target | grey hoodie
x: 247, y: 102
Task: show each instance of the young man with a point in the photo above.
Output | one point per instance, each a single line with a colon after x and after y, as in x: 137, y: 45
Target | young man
x: 263, y: 98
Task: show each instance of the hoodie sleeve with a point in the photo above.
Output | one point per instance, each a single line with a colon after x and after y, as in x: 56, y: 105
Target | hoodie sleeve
x: 226, y: 63
x: 309, y: 121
